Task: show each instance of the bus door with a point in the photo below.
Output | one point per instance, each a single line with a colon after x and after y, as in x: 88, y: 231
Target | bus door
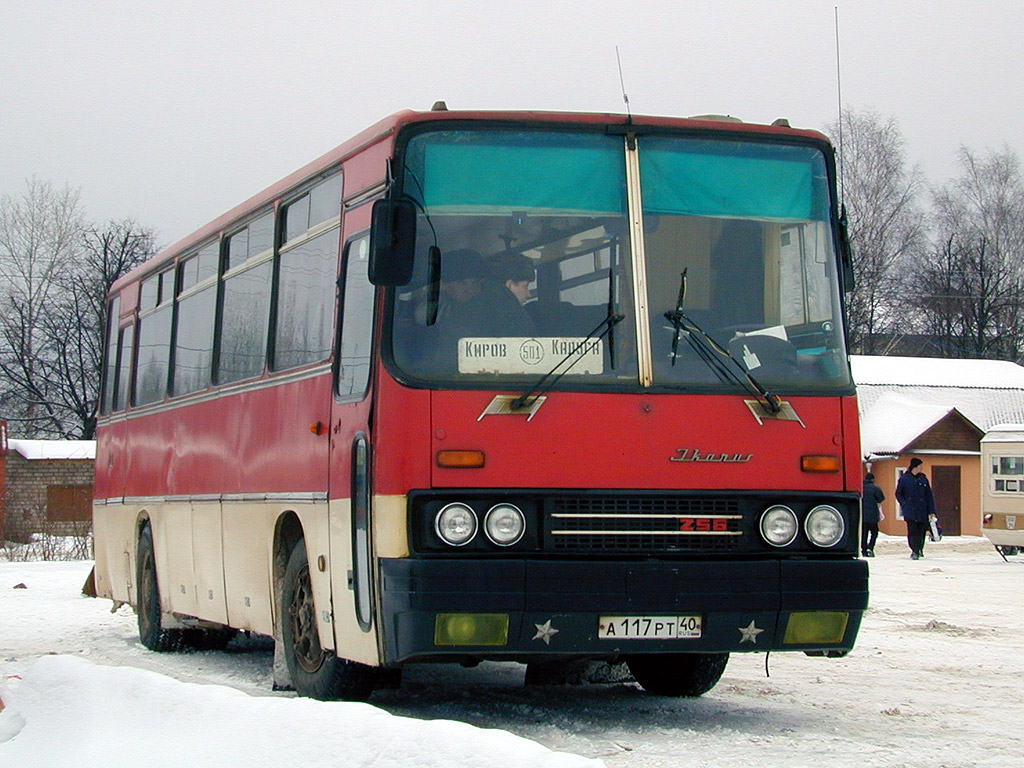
x: 350, y: 479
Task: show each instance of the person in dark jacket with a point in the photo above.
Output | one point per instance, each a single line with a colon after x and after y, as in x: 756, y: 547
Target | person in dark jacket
x: 871, y: 515
x: 918, y: 506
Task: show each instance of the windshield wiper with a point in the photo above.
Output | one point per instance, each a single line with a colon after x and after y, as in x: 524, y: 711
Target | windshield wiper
x: 576, y: 354
x: 714, y: 355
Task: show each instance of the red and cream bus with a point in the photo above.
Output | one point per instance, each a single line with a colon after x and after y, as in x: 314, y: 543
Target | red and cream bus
x: 333, y: 415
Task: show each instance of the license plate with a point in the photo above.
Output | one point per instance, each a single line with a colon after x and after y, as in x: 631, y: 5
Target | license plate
x: 648, y: 627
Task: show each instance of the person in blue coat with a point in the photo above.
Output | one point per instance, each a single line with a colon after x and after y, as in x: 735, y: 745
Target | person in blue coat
x: 918, y: 506
x: 871, y: 515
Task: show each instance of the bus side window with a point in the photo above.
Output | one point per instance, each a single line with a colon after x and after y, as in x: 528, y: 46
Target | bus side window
x: 110, y: 363
x: 126, y: 340
x: 245, y: 301
x: 192, y: 361
x: 307, y: 271
x: 356, y: 322
x: 152, y: 361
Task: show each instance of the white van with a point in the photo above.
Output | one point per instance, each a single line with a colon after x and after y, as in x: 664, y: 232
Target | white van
x: 1002, y: 487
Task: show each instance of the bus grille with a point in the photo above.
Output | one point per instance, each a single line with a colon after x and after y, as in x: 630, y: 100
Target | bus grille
x: 643, y: 524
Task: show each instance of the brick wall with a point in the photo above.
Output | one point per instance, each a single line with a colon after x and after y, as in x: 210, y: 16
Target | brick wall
x: 30, y: 483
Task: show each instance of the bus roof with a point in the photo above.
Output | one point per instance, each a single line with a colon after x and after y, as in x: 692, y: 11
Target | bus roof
x: 389, y: 125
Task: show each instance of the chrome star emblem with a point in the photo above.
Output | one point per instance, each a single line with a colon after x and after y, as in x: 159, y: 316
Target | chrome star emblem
x: 544, y: 632
x: 749, y: 633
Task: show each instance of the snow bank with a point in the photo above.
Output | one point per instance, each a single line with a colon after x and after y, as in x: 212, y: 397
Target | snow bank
x: 70, y: 712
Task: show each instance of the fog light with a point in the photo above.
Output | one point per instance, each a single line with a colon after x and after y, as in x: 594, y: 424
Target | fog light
x: 471, y: 629
x: 816, y: 628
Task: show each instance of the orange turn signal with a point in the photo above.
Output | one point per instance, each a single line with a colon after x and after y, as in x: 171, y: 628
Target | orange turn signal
x: 821, y: 464
x: 460, y: 459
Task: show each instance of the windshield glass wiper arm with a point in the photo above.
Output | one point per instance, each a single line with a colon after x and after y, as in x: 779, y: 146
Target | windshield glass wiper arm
x: 714, y: 355
x: 576, y: 354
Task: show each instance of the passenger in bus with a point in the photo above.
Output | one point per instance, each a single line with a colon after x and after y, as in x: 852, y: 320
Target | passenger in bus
x: 462, y: 274
x: 497, y: 309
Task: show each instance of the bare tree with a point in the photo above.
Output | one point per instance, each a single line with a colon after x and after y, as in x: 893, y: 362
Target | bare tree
x: 54, y: 278
x: 979, y: 223
x: 886, y: 224
x: 39, y: 237
x: 107, y: 254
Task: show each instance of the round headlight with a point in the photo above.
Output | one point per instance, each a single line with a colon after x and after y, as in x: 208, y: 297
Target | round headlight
x: 779, y: 525
x: 505, y: 524
x: 824, y: 526
x: 456, y: 524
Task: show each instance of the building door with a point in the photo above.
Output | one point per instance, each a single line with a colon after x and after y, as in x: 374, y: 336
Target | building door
x: 946, y: 487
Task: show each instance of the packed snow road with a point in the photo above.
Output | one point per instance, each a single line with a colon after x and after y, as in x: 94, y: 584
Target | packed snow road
x: 936, y: 679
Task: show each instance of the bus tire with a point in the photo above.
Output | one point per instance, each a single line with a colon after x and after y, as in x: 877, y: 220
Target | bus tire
x: 315, y: 672
x: 151, y: 633
x: 678, y: 674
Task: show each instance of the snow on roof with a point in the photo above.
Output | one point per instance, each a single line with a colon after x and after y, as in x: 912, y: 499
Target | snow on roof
x: 54, y: 449
x: 987, y: 392
x: 1005, y: 433
x: 936, y: 372
x: 895, y: 421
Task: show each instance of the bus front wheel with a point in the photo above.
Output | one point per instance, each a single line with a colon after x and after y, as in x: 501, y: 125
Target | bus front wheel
x: 678, y: 674
x: 151, y: 633
x: 315, y: 672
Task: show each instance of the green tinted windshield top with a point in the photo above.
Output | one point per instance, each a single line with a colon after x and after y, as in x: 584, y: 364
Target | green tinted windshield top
x: 715, y: 178
x: 537, y: 250
x: 512, y: 170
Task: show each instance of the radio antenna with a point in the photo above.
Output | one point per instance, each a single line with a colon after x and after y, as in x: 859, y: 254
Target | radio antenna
x: 622, y: 84
x: 839, y: 96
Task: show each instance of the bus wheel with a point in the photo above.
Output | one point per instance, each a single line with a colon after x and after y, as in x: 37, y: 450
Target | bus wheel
x: 152, y: 635
x: 678, y: 674
x: 315, y: 672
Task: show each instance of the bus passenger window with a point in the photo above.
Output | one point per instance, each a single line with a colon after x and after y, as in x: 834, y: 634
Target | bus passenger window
x: 305, y: 302
x: 154, y: 353
x: 124, y: 367
x: 110, y: 363
x: 197, y: 305
x: 245, y: 308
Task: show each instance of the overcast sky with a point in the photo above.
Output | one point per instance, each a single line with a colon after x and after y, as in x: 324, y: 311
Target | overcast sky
x: 173, y: 112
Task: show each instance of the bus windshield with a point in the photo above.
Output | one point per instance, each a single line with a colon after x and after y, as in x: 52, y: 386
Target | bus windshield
x: 633, y: 262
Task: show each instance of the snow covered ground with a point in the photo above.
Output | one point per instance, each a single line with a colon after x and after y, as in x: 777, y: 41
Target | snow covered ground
x: 937, y: 680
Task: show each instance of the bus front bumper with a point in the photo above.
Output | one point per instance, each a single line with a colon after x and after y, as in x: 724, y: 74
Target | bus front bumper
x: 522, y: 609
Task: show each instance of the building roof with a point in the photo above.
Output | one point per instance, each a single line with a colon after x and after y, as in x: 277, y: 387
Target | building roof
x: 1005, y: 433
x: 935, y: 372
x: 894, y: 421
x: 54, y: 449
x: 986, y: 392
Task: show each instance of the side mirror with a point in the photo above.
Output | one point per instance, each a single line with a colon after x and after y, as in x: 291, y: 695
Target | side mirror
x: 392, y: 242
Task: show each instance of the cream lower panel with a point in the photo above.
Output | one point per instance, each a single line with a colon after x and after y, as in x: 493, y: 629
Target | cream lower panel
x: 352, y: 641
x: 208, y: 561
x: 114, y: 545
x: 389, y: 539
x: 248, y: 545
x: 171, y: 524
